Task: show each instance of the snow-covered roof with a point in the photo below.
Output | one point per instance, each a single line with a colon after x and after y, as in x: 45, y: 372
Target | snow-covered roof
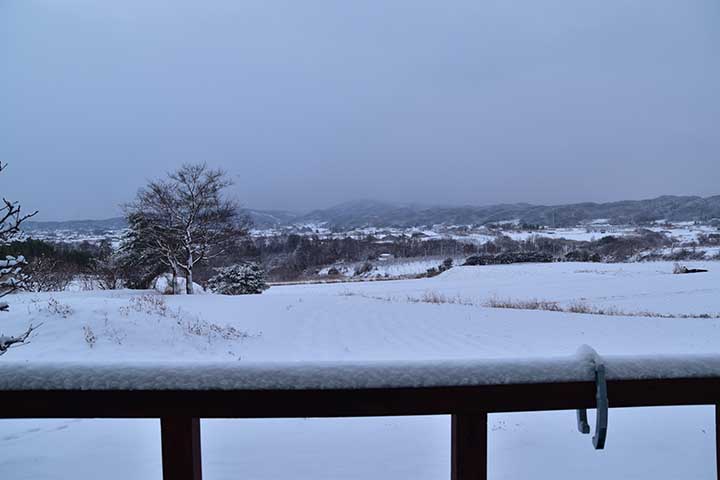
x: 348, y: 375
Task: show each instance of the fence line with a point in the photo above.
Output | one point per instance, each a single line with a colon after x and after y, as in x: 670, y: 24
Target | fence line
x: 180, y: 411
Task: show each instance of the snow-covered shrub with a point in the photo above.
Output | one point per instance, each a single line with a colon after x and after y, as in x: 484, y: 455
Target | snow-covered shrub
x: 57, y: 309
x: 164, y: 284
x: 50, y: 308
x: 212, y: 331
x: 241, y: 279
x: 439, y: 298
x: 432, y: 272
x: 90, y: 337
x: 363, y: 269
x: 531, y: 304
x: 148, y: 304
x: 11, y: 276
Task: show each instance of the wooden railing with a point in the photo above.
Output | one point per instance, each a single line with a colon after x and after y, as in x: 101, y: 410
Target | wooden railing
x: 180, y: 410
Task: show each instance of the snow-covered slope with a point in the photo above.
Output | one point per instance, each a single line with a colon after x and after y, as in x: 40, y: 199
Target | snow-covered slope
x: 384, y: 322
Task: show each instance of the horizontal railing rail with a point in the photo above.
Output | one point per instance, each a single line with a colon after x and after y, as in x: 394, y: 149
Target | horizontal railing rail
x: 180, y: 411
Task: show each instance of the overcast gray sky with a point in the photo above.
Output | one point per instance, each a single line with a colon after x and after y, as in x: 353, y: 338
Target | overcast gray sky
x: 310, y: 103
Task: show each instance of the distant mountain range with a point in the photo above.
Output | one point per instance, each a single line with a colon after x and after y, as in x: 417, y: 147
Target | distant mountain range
x: 377, y: 214
x: 368, y: 213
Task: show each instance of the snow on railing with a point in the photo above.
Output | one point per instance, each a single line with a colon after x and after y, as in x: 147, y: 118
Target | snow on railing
x: 182, y: 393
x: 581, y: 367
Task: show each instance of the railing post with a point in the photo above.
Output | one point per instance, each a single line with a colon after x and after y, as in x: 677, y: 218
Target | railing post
x: 181, y: 457
x: 469, y: 447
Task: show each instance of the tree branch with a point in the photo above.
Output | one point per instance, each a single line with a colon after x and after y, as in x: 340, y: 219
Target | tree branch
x: 8, y: 342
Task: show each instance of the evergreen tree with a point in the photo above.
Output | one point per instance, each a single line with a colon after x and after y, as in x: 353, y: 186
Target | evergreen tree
x: 241, y: 279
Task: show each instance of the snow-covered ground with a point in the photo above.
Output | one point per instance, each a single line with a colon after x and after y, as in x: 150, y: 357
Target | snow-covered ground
x: 654, y: 443
x: 708, y: 252
x: 682, y: 232
x: 383, y: 321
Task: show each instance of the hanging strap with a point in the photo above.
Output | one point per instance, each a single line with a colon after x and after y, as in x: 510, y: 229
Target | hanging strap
x: 601, y: 404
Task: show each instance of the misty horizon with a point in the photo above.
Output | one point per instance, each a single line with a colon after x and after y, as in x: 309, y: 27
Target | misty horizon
x: 39, y: 218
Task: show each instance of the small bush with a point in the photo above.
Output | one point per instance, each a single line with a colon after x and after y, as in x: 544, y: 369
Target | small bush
x: 241, y: 279
x: 446, y: 265
x: 212, y: 331
x: 90, y: 337
x: 533, y: 304
x: 438, y: 298
x: 432, y: 272
x: 432, y: 297
x: 363, y: 269
x: 580, y: 306
x: 48, y: 274
x: 146, y: 303
x: 58, y: 309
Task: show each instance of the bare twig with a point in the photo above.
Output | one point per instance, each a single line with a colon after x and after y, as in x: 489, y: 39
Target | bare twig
x: 8, y: 342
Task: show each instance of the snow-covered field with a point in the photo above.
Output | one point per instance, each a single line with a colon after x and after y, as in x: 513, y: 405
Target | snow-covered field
x: 681, y: 232
x: 386, y: 321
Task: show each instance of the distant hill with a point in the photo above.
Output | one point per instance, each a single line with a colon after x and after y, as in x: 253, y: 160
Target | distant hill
x: 79, y: 226
x: 260, y: 218
x: 377, y: 214
x: 271, y: 218
x: 369, y: 213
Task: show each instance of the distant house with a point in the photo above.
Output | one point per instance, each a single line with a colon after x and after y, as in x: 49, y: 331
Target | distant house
x: 384, y: 257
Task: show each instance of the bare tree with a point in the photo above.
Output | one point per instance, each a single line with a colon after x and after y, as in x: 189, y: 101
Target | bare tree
x: 209, y: 222
x: 185, y: 219
x: 108, y: 272
x: 47, y: 274
x: 11, y: 217
x: 11, y: 278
